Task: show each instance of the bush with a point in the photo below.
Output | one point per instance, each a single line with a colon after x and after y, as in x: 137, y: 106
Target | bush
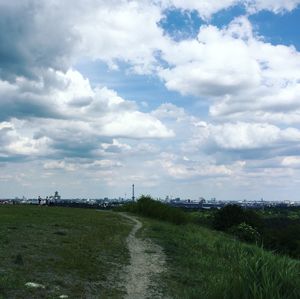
x: 245, y: 232
x: 233, y: 215
x: 284, y: 240
x: 148, y: 207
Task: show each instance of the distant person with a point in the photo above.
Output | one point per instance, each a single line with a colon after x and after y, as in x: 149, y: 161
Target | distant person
x: 47, y: 201
x: 39, y: 200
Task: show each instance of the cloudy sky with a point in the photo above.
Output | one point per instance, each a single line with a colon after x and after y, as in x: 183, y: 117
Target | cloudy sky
x: 183, y: 98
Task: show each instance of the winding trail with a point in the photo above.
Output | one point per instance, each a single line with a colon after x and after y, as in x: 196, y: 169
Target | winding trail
x: 147, y: 261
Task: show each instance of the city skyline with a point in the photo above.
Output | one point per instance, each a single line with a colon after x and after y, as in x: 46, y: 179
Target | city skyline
x: 183, y: 98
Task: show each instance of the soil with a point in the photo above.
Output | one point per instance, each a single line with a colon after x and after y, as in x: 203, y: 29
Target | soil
x: 147, y: 261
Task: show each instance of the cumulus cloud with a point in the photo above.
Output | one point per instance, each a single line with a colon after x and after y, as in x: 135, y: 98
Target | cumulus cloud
x: 54, y: 119
x: 71, y: 118
x: 34, y: 35
x: 15, y: 144
x: 251, y: 136
x: 244, y: 141
x: 203, y: 70
x: 246, y: 78
x: 53, y: 34
x: 128, y: 31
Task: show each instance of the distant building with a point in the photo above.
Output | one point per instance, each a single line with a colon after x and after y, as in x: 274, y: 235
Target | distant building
x: 56, y: 196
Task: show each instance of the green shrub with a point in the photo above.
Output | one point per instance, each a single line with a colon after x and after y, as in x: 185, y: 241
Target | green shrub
x: 284, y: 239
x: 245, y: 232
x: 232, y: 215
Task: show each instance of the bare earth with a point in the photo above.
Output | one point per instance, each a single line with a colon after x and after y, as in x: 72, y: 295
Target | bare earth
x: 147, y: 261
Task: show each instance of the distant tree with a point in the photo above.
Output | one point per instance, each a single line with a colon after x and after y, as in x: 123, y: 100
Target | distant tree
x: 227, y: 217
x: 252, y: 218
x: 149, y: 207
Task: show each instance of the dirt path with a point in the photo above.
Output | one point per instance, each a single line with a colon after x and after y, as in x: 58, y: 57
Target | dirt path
x: 146, y: 262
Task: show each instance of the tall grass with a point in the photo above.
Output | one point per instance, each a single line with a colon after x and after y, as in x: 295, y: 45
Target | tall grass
x: 258, y: 274
x: 208, y: 264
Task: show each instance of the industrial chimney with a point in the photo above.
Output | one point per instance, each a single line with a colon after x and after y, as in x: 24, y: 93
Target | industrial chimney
x: 133, y: 198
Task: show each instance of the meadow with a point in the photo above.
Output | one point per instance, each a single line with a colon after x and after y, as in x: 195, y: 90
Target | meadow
x: 81, y: 253
x: 77, y: 253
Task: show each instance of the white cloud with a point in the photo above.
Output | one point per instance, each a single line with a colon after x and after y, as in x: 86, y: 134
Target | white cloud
x: 71, y: 118
x: 183, y: 168
x: 241, y: 136
x: 207, y: 8
x: 241, y: 75
x: 14, y: 143
x: 229, y: 143
x: 169, y: 111
x: 34, y: 36
x: 106, y: 113
x: 128, y: 31
x: 134, y: 125
x: 55, y: 165
x: 291, y: 162
x: 111, y: 31
x: 56, y: 121
x: 180, y: 171
x: 106, y: 164
x: 115, y: 146
x: 78, y: 165
x: 205, y: 69
x: 277, y: 6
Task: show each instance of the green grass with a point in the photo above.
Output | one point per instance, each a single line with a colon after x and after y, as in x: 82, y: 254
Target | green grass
x: 206, y: 264
x: 81, y: 253
x: 75, y: 252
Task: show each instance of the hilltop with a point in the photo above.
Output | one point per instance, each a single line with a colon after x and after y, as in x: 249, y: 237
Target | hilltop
x: 82, y: 253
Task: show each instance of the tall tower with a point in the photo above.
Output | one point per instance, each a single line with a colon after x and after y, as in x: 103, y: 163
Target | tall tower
x: 133, y: 198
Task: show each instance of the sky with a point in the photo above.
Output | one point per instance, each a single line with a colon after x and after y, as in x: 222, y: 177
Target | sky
x: 185, y: 98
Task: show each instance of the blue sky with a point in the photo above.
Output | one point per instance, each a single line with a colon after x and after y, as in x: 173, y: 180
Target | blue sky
x: 182, y: 98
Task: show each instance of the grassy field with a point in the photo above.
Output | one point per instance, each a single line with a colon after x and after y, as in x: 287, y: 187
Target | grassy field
x: 206, y: 264
x: 71, y: 252
x: 81, y: 253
